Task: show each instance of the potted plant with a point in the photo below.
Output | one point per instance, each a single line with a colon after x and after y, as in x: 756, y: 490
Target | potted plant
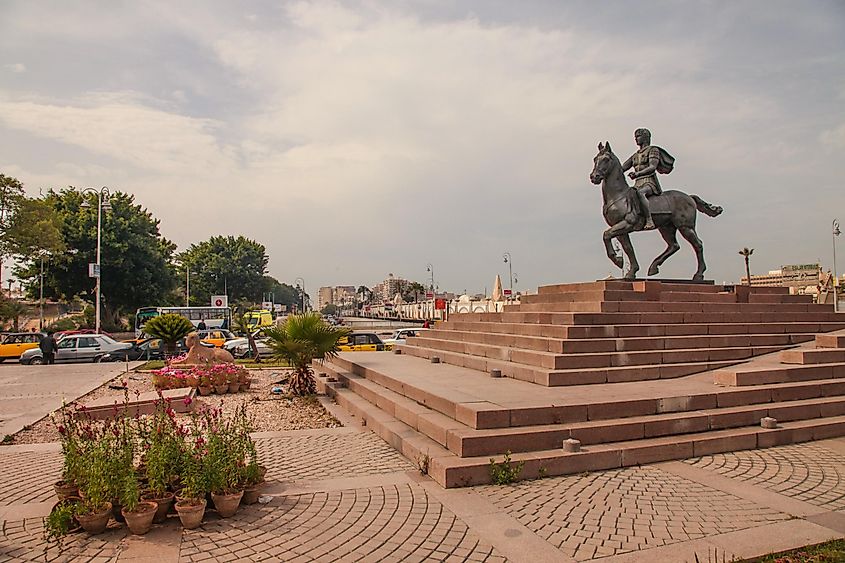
x: 62, y: 519
x: 190, y: 505
x: 205, y: 386
x: 244, y: 379
x: 170, y: 327
x: 218, y: 379
x: 138, y: 514
x: 94, y: 512
x: 163, y: 458
x: 225, y: 462
x: 67, y: 423
x: 234, y: 380
x: 253, y: 478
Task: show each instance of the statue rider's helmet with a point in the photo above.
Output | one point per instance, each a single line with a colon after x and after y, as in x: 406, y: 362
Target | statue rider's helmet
x: 645, y: 133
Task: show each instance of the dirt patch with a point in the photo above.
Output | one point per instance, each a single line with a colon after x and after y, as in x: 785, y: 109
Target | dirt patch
x: 271, y: 411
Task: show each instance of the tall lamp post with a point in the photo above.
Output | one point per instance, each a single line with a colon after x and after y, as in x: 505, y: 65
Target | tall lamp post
x: 103, y: 196
x: 836, y: 233
x: 297, y: 282
x: 509, y: 262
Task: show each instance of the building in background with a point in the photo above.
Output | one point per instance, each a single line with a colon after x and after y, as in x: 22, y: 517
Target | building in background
x: 799, y: 278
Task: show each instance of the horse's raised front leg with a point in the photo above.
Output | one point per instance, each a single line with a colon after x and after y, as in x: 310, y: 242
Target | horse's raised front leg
x: 668, y: 232
x: 622, y: 228
x: 692, y: 237
x: 628, y: 248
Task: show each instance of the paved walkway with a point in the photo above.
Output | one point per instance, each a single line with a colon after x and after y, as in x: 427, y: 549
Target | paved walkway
x: 343, y: 494
x: 28, y: 393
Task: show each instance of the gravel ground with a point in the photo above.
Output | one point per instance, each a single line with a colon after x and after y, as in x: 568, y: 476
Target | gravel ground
x: 270, y: 411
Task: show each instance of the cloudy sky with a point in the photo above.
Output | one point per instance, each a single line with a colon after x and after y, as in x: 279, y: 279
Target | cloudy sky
x: 354, y: 139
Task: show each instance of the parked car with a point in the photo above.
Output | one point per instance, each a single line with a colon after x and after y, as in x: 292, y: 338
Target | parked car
x: 362, y: 342
x: 235, y: 343
x: 147, y: 349
x: 78, y: 348
x: 16, y: 343
x: 402, y: 334
x: 243, y: 350
x: 215, y: 336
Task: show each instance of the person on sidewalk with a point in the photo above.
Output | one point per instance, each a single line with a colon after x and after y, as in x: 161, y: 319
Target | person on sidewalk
x: 201, y: 325
x: 48, y: 347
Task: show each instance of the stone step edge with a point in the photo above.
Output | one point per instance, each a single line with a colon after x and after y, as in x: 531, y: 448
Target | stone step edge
x: 455, y: 436
x: 480, y: 415
x: 449, y: 470
x: 548, y: 377
x: 583, y: 359
x: 613, y: 330
x: 784, y: 373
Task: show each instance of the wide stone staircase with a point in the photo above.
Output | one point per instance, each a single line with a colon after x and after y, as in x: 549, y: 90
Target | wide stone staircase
x: 635, y: 372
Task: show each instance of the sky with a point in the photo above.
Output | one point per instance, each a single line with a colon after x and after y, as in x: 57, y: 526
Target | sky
x: 356, y: 139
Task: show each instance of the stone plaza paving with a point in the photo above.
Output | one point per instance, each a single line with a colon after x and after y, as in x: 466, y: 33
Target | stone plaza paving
x: 343, y: 494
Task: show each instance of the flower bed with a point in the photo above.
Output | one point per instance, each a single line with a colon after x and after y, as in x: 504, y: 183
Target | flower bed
x: 221, y: 378
x: 133, y: 468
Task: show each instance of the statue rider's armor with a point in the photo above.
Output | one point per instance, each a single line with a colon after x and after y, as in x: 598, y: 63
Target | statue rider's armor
x: 646, y: 185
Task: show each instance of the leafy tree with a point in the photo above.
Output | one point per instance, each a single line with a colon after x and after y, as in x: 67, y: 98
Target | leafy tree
x: 235, y: 266
x: 170, y: 327
x: 330, y: 309
x: 299, y: 341
x: 135, y: 257
x: 283, y: 294
x: 412, y: 291
x: 35, y: 230
x: 365, y: 294
x: 11, y: 194
x: 13, y: 310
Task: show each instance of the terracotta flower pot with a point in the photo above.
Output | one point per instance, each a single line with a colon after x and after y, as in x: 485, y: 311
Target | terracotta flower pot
x: 65, y: 490
x: 205, y: 390
x: 251, y: 494
x: 234, y: 387
x: 227, y: 504
x: 75, y: 526
x: 140, y: 520
x: 95, y: 522
x: 164, y: 503
x: 222, y: 389
x: 190, y: 512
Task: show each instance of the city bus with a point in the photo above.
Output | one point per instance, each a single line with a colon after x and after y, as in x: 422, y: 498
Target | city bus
x: 213, y: 317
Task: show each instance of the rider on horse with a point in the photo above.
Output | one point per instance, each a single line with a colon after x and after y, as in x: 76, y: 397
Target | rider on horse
x: 647, y: 162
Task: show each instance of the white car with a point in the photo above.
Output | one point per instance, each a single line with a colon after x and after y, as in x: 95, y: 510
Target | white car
x: 244, y: 351
x: 402, y: 334
x: 78, y: 348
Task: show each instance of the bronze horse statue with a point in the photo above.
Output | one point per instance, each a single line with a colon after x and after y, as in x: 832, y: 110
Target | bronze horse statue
x: 672, y: 211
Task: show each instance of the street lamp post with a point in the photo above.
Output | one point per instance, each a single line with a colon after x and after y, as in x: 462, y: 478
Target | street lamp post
x: 41, y: 298
x: 102, y: 193
x: 836, y: 233
x: 509, y: 262
x: 297, y: 282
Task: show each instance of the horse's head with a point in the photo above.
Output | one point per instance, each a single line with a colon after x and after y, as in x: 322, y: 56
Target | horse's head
x: 602, y: 163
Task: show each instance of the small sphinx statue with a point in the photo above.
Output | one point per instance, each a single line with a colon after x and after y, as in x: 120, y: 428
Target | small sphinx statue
x: 203, y: 355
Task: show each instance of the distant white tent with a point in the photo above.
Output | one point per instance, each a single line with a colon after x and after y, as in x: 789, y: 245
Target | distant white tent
x: 498, y: 294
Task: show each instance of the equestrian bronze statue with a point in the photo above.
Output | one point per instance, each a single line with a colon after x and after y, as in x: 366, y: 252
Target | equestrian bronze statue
x: 645, y: 205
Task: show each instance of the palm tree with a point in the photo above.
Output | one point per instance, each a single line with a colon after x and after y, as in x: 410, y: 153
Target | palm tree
x: 170, y: 327
x: 300, y: 340
x: 745, y: 253
x: 240, y: 324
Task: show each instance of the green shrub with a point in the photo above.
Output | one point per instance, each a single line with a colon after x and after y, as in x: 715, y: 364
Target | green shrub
x: 505, y: 472
x: 170, y: 328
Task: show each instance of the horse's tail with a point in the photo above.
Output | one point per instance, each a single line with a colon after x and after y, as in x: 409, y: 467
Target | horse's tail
x: 706, y: 208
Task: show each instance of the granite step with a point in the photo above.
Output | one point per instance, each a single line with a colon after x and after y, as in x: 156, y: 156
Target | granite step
x: 478, y: 413
x: 588, y: 345
x: 662, y: 306
x: 813, y: 356
x: 561, y: 361
x: 761, y: 375
x: 830, y: 341
x: 450, y: 470
x: 457, y: 322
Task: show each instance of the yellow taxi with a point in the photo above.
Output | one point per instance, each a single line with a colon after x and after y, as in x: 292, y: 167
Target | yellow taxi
x: 17, y: 343
x: 362, y: 342
x: 216, y: 336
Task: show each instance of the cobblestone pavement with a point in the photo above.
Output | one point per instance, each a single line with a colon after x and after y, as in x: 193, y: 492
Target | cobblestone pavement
x: 595, y: 515
x: 29, y: 476
x: 808, y: 472
x: 398, y: 523
x: 342, y: 494
x: 328, y: 455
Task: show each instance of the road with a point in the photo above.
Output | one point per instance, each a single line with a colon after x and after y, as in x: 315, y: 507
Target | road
x: 27, y: 393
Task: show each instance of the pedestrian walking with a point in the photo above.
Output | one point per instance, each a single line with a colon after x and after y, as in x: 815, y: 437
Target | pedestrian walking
x: 201, y: 325
x: 48, y: 347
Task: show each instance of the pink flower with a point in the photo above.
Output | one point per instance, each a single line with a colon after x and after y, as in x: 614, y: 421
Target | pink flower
x: 187, y: 400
